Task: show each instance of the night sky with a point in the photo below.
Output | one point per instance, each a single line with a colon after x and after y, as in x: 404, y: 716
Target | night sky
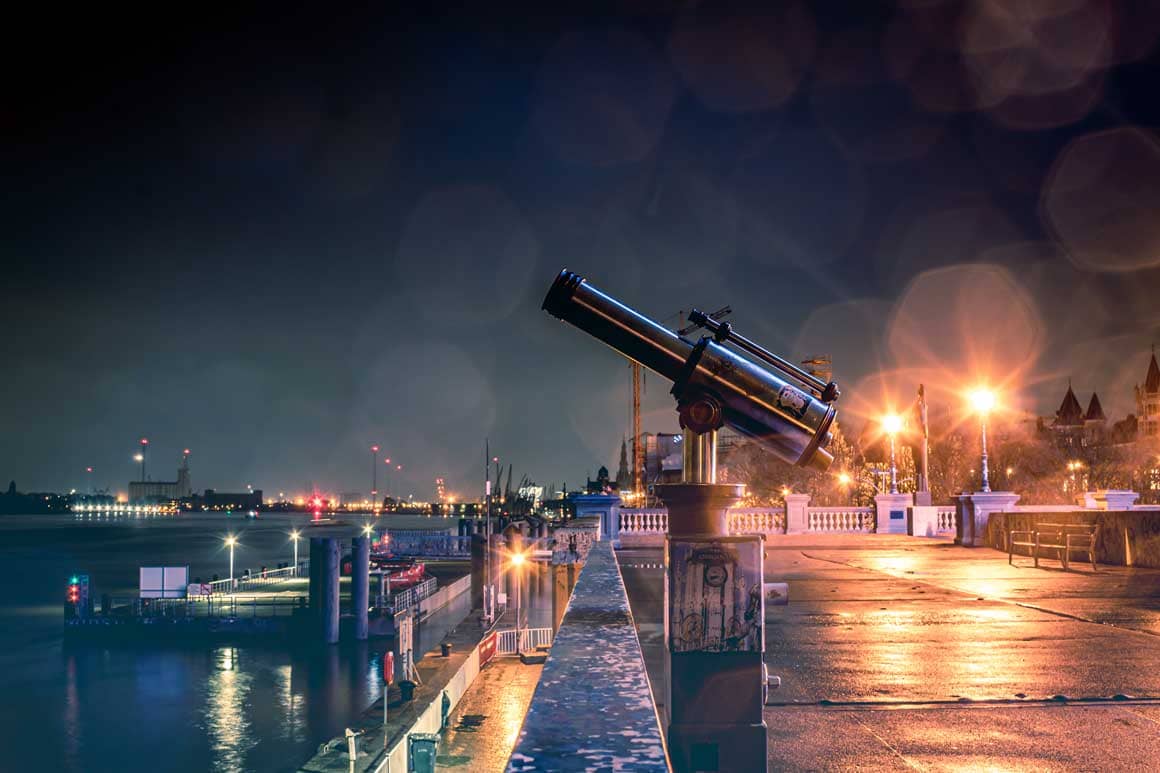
x: 280, y: 235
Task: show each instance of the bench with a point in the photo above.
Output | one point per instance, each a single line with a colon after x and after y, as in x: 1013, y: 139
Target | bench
x: 1064, y: 537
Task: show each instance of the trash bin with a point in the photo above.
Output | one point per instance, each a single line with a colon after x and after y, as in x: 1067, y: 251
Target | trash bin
x: 446, y: 648
x: 421, y: 749
x: 407, y: 689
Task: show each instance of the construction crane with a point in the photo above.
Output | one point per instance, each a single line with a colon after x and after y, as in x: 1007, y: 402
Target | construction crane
x: 637, y: 377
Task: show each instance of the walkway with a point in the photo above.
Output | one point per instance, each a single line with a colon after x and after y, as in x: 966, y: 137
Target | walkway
x: 900, y: 653
x: 482, y: 732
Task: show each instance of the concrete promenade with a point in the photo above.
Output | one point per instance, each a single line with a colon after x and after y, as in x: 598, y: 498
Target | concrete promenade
x: 483, y: 730
x: 902, y: 653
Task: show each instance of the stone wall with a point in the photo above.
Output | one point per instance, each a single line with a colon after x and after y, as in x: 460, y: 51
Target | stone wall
x: 593, y: 709
x: 1126, y: 537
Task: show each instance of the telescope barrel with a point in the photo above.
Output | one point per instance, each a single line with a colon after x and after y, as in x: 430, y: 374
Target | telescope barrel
x: 787, y: 420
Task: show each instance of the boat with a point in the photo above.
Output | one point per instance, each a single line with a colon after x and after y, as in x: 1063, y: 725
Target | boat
x: 402, y: 573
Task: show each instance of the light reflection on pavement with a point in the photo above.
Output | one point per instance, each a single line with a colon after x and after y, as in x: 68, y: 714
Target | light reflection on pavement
x: 915, y: 654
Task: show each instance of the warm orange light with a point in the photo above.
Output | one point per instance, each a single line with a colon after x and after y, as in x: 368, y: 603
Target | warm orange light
x: 982, y: 400
x: 517, y: 559
x: 844, y: 478
x: 892, y: 424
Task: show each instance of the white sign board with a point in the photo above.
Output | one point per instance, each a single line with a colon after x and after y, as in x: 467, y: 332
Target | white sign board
x: 164, y: 582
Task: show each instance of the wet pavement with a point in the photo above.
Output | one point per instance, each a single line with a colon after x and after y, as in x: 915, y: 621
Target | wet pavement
x: 482, y: 732
x: 899, y: 653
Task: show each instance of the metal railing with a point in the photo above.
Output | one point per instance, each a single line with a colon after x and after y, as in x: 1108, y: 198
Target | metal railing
x: 406, y: 599
x: 420, y: 544
x: 529, y: 640
x: 256, y: 580
x: 222, y: 605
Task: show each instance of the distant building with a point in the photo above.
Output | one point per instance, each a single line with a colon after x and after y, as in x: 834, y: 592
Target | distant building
x: 662, y: 458
x: 1073, y: 429
x: 222, y: 500
x: 145, y: 491
x: 623, y: 473
x: 1148, y: 400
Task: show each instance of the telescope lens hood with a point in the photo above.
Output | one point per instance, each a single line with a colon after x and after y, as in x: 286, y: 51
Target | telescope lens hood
x: 556, y: 302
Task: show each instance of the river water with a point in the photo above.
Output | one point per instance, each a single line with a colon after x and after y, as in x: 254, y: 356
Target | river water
x: 155, y: 707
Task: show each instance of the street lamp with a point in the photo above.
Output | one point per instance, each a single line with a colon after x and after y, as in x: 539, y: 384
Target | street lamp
x: 295, y: 535
x: 141, y: 456
x: 231, y: 541
x: 983, y: 401
x: 517, y: 564
x: 892, y: 425
x: 374, y: 477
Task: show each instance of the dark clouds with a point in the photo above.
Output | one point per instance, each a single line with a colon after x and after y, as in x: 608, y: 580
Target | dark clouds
x: 280, y: 235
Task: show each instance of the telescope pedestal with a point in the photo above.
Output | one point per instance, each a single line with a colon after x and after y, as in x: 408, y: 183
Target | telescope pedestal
x: 714, y: 633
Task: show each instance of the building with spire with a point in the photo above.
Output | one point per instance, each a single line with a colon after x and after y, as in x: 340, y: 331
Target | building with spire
x: 1148, y: 401
x: 623, y: 474
x: 1068, y: 426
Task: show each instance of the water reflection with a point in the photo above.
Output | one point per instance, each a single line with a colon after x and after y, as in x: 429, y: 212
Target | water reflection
x: 226, y: 721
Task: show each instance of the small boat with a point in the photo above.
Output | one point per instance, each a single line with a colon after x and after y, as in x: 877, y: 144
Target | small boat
x: 401, y: 572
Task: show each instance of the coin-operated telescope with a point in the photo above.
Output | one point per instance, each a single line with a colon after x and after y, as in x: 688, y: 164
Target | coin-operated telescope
x: 714, y: 581
x: 788, y: 411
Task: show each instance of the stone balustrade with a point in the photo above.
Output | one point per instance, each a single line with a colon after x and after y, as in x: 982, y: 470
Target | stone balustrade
x: 828, y: 520
x: 946, y: 519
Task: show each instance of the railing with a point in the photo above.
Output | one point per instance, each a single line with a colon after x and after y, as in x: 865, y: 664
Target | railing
x: 418, y: 543
x: 529, y: 640
x: 256, y: 580
x: 839, y: 519
x: 406, y: 599
x: 752, y: 520
x: 226, y: 606
x: 947, y: 519
x: 644, y: 521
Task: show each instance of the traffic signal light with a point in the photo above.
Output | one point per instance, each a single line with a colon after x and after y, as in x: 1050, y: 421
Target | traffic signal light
x: 77, y: 596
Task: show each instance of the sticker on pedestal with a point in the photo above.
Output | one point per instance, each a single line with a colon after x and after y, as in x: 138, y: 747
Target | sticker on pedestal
x: 715, y: 595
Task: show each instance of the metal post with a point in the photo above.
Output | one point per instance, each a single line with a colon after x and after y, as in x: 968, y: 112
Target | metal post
x: 233, y: 586
x: 519, y: 570
x: 360, y: 585
x: 893, y: 467
x: 715, y: 636
x: 296, y: 538
x: 986, y: 480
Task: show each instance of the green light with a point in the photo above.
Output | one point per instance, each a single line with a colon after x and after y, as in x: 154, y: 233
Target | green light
x: 73, y: 580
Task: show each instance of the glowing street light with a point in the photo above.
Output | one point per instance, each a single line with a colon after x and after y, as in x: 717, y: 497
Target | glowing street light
x: 295, y: 535
x: 892, y: 425
x: 232, y: 541
x: 983, y: 401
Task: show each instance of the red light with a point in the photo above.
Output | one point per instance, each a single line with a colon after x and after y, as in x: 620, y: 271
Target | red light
x: 88, y: 469
x: 375, y: 449
x: 186, y: 452
x: 144, y: 441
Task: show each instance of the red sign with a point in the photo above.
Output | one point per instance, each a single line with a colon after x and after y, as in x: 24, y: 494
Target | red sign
x: 487, y: 648
x: 388, y: 667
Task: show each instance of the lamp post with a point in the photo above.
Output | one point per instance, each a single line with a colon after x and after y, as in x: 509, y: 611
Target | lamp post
x: 374, y: 478
x: 144, y: 448
x: 231, y: 541
x: 983, y: 401
x: 517, y: 564
x: 295, y: 536
x: 892, y: 424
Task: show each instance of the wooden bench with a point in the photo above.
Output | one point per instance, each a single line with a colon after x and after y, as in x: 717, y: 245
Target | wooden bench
x: 1064, y: 537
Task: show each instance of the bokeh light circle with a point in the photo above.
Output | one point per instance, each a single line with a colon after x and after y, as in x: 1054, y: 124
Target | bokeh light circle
x: 1101, y: 198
